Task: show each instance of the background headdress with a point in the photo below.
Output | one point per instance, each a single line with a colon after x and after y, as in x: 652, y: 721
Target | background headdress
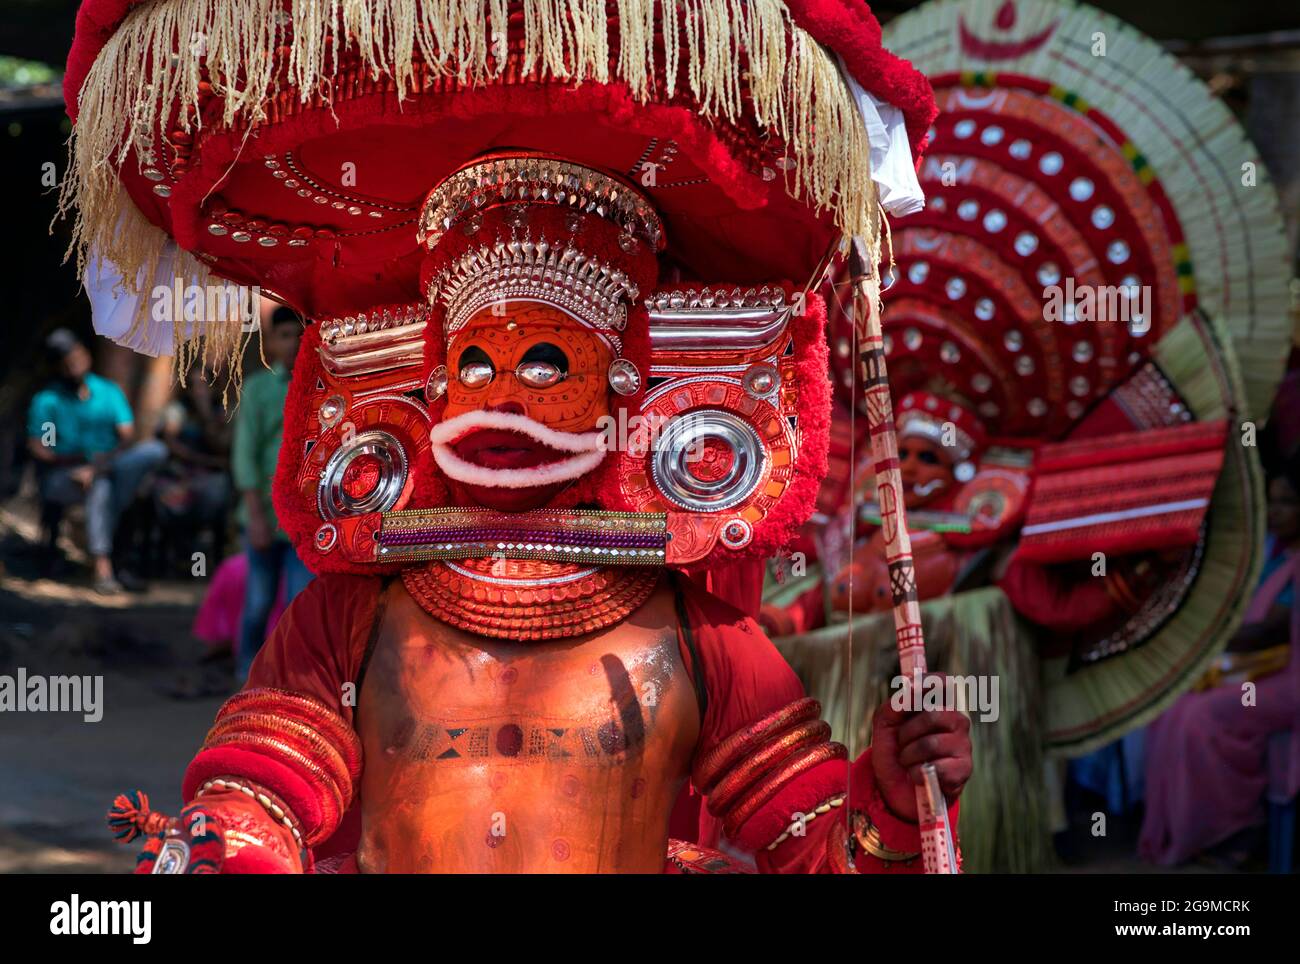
x: 946, y: 420
x: 1057, y: 171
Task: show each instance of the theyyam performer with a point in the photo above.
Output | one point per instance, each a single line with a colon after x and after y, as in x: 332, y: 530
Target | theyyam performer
x: 562, y: 370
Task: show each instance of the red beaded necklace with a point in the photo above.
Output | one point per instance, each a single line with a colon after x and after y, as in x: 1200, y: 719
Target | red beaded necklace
x: 528, y: 599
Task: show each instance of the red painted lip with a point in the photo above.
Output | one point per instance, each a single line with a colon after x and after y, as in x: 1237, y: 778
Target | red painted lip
x: 493, y: 448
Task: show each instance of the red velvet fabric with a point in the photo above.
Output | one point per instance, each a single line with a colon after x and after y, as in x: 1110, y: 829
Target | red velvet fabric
x: 849, y: 28
x: 781, y: 525
x: 740, y: 584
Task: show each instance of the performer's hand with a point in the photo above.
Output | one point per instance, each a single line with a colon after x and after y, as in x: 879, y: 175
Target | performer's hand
x: 192, y: 843
x: 224, y: 833
x: 901, y: 741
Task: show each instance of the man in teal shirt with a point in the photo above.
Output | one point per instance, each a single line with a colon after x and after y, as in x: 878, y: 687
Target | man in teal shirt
x: 79, y: 431
x: 259, y: 426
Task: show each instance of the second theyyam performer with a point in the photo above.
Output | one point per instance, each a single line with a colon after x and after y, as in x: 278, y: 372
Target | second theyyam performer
x: 537, y: 406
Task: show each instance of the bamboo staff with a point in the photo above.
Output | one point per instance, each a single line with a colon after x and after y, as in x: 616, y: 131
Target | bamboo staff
x: 937, y: 852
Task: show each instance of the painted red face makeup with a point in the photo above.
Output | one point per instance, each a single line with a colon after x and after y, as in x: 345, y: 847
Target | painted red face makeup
x: 527, y: 388
x: 926, y: 471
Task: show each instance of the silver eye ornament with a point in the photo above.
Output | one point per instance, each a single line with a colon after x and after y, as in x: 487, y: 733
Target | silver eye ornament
x: 436, y: 385
x: 476, y: 374
x: 539, y: 374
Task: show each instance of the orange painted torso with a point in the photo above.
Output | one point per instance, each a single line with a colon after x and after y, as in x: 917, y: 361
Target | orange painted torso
x: 493, y: 756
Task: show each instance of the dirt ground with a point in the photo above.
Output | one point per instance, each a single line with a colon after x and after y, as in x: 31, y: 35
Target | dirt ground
x: 58, y: 773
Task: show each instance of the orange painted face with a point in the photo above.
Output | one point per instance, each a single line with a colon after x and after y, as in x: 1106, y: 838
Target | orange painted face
x: 527, y: 388
x: 926, y: 470
x: 533, y: 360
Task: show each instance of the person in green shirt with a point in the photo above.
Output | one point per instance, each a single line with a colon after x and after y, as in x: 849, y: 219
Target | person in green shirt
x: 81, y: 431
x: 259, y: 427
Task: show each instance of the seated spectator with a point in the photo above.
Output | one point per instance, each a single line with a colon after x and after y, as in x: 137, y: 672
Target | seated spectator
x: 79, y: 431
x: 1206, y: 765
x: 193, y: 492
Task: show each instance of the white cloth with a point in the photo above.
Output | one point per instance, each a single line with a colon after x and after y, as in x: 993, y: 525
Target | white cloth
x: 114, y: 307
x: 891, y: 152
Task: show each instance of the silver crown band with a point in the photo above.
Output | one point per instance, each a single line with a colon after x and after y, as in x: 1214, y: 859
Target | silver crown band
x: 592, y: 291
x: 537, y: 180
x: 340, y: 330
x: 930, y: 426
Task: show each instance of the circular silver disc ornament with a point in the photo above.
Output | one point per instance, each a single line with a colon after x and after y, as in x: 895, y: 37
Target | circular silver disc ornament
x: 332, y: 498
x: 624, y: 377
x: 681, y: 445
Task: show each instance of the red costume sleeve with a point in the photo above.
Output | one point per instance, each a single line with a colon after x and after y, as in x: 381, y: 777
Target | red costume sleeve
x: 319, y: 643
x: 290, y: 729
x: 772, y: 780
x: 1043, y: 596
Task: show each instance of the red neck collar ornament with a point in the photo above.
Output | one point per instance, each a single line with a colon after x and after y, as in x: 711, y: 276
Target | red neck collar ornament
x: 528, y: 600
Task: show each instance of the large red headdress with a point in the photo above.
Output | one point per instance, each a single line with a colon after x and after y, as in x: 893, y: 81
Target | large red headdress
x: 292, y: 145
x: 289, y: 144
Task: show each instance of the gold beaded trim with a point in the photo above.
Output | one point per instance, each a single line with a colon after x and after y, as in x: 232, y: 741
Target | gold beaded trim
x: 442, y: 535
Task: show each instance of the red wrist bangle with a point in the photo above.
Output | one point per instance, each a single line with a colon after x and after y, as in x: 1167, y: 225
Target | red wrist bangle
x: 788, y: 770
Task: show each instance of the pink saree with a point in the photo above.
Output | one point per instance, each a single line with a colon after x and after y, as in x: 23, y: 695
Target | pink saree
x: 1211, y: 762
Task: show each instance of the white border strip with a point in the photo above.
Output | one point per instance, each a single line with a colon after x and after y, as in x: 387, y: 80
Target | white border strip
x: 1079, y: 522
